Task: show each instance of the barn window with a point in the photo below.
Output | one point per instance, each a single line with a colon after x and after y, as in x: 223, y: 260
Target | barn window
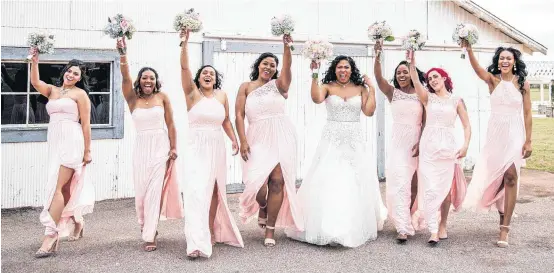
x: 23, y: 115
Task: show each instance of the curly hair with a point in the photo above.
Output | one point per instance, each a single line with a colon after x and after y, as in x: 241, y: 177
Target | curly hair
x: 519, y: 69
x: 447, y: 83
x: 330, y: 74
x: 218, y: 77
x: 255, y: 67
x: 83, y: 82
x: 420, y: 75
x: 136, y: 85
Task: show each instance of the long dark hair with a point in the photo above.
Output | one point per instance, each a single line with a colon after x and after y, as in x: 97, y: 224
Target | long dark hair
x: 519, y: 69
x: 330, y: 75
x: 136, y: 85
x: 218, y: 77
x: 83, y: 82
x: 420, y: 75
x: 255, y: 67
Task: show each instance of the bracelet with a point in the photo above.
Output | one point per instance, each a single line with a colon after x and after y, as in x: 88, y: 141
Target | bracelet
x: 315, y: 75
x: 123, y: 63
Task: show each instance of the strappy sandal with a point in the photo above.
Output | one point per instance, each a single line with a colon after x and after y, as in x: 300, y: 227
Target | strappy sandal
x: 193, y: 255
x: 269, y: 242
x: 151, y: 246
x: 402, y: 238
x: 504, y: 244
x: 76, y: 236
x: 51, y: 250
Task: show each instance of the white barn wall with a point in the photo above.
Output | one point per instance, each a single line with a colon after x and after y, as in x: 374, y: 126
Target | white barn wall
x: 78, y: 24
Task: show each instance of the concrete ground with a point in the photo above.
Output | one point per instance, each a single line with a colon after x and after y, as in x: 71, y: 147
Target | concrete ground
x: 112, y: 243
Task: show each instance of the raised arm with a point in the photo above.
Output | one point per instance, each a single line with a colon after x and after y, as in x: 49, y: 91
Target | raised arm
x: 83, y: 103
x: 421, y: 91
x: 283, y: 81
x: 319, y: 93
x: 382, y: 83
x: 528, y: 119
x: 42, y: 87
x: 464, y: 118
x: 480, y: 71
x: 172, y: 132
x: 239, y: 121
x: 126, y: 82
x: 228, y: 127
x: 368, y: 97
x: 186, y: 73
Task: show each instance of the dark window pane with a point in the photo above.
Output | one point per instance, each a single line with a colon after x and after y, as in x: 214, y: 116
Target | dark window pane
x: 99, y: 77
x: 14, y: 77
x: 38, y: 107
x: 14, y: 109
x: 100, y: 105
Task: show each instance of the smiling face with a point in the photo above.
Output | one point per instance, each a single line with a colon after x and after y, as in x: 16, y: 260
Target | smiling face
x: 207, y: 78
x: 72, y: 76
x: 506, y: 61
x: 343, y: 71
x: 435, y: 80
x: 403, y: 76
x: 267, y: 68
x: 148, y: 82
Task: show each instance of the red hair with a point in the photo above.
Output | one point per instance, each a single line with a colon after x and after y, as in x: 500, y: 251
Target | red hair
x: 447, y: 82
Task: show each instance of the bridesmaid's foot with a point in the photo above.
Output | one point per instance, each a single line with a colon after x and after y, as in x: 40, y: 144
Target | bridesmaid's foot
x: 151, y: 246
x: 49, y: 247
x: 433, y: 240
x: 401, y: 238
x: 503, y: 238
x: 443, y: 235
x: 262, y: 216
x: 193, y: 255
x: 269, y: 241
x: 77, y: 232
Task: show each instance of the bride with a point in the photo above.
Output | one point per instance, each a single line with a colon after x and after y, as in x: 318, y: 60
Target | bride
x: 340, y: 196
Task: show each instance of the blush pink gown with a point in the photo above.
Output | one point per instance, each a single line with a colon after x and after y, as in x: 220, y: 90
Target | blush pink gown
x: 502, y: 149
x: 272, y: 140
x: 66, y: 147
x: 407, y: 113
x: 439, y: 171
x: 157, y: 193
x: 206, y: 168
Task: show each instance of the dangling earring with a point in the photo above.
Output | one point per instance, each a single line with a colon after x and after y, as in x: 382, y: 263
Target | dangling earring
x: 515, y: 68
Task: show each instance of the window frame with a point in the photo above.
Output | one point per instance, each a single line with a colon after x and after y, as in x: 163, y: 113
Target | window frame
x: 15, y: 133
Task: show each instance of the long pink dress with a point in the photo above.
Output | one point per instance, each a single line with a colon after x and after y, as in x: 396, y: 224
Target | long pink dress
x: 151, y: 173
x: 66, y: 147
x: 439, y: 171
x: 272, y: 140
x: 407, y: 114
x: 502, y: 149
x: 206, y: 167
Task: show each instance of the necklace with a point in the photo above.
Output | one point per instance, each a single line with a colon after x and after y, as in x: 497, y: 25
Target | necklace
x: 343, y: 85
x: 64, y: 90
x: 146, y: 99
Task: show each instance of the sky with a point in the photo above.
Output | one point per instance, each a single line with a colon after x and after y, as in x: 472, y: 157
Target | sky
x: 532, y: 17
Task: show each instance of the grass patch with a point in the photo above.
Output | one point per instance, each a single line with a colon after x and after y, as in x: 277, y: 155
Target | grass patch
x: 543, y: 145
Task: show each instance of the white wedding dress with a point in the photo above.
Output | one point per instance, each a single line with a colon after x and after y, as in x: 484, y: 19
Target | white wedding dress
x: 340, y: 197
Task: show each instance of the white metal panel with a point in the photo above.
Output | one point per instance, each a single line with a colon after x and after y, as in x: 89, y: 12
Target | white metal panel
x: 43, y: 14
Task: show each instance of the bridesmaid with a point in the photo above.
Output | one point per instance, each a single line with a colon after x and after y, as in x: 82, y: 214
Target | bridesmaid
x: 69, y: 195
x: 208, y: 219
x: 441, y: 178
x: 408, y: 119
x: 496, y: 175
x: 269, y: 147
x: 157, y: 194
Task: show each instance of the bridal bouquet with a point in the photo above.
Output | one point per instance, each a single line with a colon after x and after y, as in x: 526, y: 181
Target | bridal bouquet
x: 465, y: 32
x: 317, y: 50
x: 380, y: 31
x: 282, y: 26
x: 42, y: 42
x: 188, y: 20
x: 412, y: 42
x: 118, y: 27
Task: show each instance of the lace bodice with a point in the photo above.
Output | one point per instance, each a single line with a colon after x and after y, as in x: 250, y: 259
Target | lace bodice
x: 506, y: 99
x: 442, y: 112
x: 406, y: 108
x: 208, y: 113
x: 264, y: 102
